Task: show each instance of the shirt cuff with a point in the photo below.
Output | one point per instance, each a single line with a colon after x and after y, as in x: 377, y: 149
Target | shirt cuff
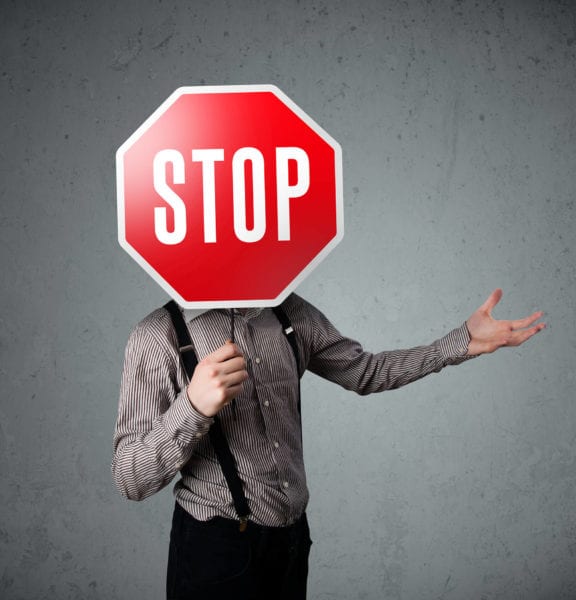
x: 453, y: 346
x: 183, y: 422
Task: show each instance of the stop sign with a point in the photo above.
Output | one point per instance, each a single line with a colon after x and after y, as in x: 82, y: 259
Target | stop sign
x: 229, y: 196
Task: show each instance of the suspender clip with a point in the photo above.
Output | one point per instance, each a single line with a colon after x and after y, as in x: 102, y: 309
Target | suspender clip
x: 243, y: 524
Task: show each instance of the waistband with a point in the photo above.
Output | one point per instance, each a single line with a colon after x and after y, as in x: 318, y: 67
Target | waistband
x: 233, y: 526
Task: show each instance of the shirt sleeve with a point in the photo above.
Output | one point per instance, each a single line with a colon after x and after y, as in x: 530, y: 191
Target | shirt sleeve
x: 344, y: 361
x: 157, y: 426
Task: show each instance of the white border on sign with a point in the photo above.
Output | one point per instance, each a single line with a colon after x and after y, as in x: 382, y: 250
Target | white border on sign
x: 224, y: 89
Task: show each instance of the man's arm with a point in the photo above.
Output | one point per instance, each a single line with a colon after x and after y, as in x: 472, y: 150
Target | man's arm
x: 344, y: 361
x: 156, y: 425
x: 159, y: 422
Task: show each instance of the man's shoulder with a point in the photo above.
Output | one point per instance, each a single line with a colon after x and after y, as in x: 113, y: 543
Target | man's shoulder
x: 156, y: 325
x: 294, y: 301
x: 299, y: 309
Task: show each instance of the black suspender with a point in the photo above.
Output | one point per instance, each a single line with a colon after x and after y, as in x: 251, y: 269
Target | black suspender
x: 217, y: 437
x: 187, y: 354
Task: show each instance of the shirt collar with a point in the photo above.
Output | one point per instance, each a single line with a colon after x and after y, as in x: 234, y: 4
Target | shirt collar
x: 193, y: 313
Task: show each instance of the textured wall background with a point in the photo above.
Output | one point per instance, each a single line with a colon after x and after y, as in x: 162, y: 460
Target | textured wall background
x: 458, y: 125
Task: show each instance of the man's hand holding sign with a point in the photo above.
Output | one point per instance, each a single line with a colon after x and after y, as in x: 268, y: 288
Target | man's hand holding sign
x: 217, y: 379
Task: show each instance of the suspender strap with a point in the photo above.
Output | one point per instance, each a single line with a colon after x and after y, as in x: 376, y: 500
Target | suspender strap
x: 219, y: 442
x: 187, y: 354
x: 291, y: 337
x: 228, y: 465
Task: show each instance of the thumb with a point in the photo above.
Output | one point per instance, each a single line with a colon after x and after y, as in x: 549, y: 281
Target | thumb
x: 492, y: 300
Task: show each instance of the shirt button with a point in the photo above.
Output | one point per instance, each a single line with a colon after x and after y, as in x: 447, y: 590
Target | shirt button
x: 285, y: 484
x: 199, y: 434
x: 257, y: 360
x: 276, y: 445
x: 266, y: 403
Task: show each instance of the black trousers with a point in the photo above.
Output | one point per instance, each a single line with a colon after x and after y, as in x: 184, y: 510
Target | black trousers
x: 213, y: 560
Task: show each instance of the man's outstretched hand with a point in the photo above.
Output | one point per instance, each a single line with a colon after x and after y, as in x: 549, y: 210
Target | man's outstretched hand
x: 487, y: 334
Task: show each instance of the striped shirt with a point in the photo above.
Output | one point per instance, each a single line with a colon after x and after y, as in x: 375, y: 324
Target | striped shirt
x: 159, y: 433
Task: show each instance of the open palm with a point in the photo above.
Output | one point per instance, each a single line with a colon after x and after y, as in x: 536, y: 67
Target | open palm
x: 488, y: 334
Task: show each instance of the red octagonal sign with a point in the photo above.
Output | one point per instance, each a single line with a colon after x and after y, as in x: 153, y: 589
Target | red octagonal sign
x: 229, y: 196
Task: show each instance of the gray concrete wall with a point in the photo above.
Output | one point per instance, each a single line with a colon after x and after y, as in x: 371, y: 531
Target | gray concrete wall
x: 458, y: 126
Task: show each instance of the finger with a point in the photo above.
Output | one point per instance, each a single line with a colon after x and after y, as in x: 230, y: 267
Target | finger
x: 526, y: 321
x: 224, y: 353
x: 232, y: 392
x: 235, y: 379
x: 492, y: 301
x: 233, y: 365
x: 233, y: 387
x: 521, y: 336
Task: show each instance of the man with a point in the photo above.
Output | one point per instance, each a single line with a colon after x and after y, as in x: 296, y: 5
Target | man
x: 249, y: 391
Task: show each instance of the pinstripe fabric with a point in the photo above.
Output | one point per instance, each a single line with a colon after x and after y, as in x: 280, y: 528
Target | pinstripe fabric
x: 158, y: 432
